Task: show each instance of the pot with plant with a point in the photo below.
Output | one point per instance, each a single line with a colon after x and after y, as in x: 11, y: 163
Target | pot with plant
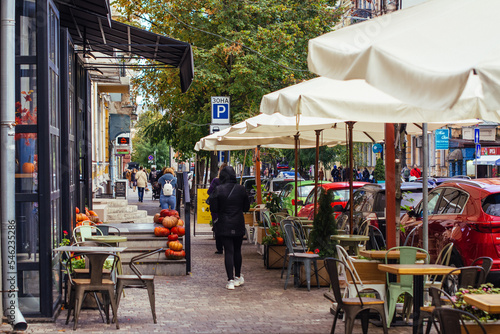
x: 274, y: 247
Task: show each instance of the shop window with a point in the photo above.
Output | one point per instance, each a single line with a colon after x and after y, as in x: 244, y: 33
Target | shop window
x: 26, y: 163
x: 26, y: 18
x: 26, y: 102
x: 29, y: 294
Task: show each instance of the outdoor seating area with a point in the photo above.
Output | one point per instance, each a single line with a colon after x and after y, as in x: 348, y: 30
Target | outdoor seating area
x: 93, y: 270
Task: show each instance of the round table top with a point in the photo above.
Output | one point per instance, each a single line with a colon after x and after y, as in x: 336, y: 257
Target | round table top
x: 350, y: 237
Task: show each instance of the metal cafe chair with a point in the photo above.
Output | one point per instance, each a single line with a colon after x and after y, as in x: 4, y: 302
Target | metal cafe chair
x: 451, y: 321
x: 138, y: 280
x: 352, y: 306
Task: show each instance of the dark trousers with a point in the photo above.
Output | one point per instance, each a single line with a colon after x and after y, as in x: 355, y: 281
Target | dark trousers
x: 218, y: 243
x: 140, y: 193
x: 232, y: 256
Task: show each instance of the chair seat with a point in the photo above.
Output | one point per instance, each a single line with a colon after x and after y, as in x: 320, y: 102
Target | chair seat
x: 87, y: 271
x: 428, y: 309
x: 81, y: 281
x: 366, y: 301
x: 134, y: 277
x: 305, y: 255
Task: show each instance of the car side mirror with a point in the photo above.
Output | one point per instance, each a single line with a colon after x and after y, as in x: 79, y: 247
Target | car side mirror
x: 338, y: 208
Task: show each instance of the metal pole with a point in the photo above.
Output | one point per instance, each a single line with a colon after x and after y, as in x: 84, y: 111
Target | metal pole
x: 316, y: 163
x: 7, y: 165
x: 425, y: 167
x: 350, y: 126
x: 296, y: 137
x: 257, y: 175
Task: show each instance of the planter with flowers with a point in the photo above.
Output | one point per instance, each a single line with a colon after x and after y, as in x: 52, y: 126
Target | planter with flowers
x: 274, y: 247
x: 491, y: 322
x: 320, y: 242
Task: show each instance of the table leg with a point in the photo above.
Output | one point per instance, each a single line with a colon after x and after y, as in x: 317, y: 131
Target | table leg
x: 418, y: 301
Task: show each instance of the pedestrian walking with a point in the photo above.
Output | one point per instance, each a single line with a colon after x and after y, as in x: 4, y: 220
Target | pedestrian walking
x: 321, y: 174
x: 213, y: 185
x: 128, y: 175
x: 168, y: 198
x: 366, y: 175
x: 415, y: 173
x: 230, y: 201
x: 406, y: 173
x: 132, y: 178
x: 142, y: 182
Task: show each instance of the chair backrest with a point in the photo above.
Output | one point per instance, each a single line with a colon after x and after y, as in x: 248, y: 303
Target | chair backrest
x: 452, y: 320
x: 332, y: 269
x: 486, y: 263
x: 292, y: 237
x: 376, y: 238
x: 462, y: 277
x: 95, y: 262
x: 407, y: 255
x: 344, y: 257
x: 436, y: 295
x: 443, y: 258
x: 105, y: 229
x: 411, y: 235
x: 80, y: 233
x: 139, y: 257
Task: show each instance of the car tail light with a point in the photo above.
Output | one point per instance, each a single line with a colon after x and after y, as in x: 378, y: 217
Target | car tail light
x: 373, y: 219
x: 293, y: 202
x: 485, y: 227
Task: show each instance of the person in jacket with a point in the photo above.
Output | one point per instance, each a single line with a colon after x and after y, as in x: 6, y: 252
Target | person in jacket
x: 133, y: 182
x: 230, y: 202
x: 415, y: 172
x: 168, y: 202
x: 214, y: 184
x: 142, y: 182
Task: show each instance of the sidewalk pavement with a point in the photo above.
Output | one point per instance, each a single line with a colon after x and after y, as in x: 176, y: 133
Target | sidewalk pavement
x: 199, y: 302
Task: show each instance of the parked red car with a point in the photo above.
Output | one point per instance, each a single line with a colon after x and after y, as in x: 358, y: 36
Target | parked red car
x: 466, y: 213
x: 340, y: 192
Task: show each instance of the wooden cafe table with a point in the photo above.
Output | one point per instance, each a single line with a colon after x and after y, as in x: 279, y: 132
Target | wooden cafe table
x: 487, y: 303
x: 393, y: 255
x: 418, y: 271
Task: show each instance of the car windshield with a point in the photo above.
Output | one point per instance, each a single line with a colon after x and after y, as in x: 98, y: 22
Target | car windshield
x: 305, y: 190
x: 491, y: 205
x: 341, y: 195
x: 278, y: 185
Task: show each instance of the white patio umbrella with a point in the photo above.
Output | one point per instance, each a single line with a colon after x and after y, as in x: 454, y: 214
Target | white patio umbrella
x: 423, y: 55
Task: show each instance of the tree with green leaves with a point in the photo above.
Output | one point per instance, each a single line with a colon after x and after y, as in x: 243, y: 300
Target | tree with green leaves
x: 324, y: 225
x: 379, y: 173
x: 242, y: 49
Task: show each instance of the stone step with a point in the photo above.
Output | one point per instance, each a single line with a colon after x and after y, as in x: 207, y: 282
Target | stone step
x: 120, y: 209
x: 137, y: 243
x: 162, y: 267
x: 143, y: 220
x: 111, y: 202
x: 126, y: 216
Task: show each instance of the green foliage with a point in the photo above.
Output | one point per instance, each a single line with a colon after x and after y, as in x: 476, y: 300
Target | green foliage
x: 273, y: 202
x: 274, y: 232
x: 324, y: 225
x: 242, y: 49
x: 379, y: 173
x: 144, y: 146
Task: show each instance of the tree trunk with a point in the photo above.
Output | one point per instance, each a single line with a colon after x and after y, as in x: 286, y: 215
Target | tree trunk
x: 400, y: 131
x: 214, y: 165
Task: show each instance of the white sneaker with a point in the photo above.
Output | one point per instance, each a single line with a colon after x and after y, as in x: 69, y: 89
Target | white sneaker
x: 230, y: 285
x: 238, y: 281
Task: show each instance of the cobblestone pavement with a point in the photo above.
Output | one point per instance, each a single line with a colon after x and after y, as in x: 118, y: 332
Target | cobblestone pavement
x: 199, y: 302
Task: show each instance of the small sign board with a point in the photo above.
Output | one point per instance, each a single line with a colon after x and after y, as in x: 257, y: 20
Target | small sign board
x: 121, y: 189
x: 122, y: 151
x: 216, y: 128
x: 377, y: 148
x: 203, y: 215
x: 477, y: 135
x: 150, y: 158
x: 442, y: 139
x: 123, y: 141
x: 220, y: 109
x: 478, y: 151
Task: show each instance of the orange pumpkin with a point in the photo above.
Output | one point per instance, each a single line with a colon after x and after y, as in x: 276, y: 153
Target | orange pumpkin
x: 181, y: 230
x: 180, y: 222
x: 161, y: 231
x: 157, y: 218
x: 92, y: 213
x: 175, y: 255
x: 169, y: 222
x: 77, y: 210
x: 81, y: 217
x: 28, y: 167
x: 280, y: 240
x: 175, y: 245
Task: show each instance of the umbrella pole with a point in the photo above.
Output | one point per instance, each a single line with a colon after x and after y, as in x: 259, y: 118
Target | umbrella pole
x: 257, y: 175
x: 390, y: 186
x: 296, y: 137
x: 316, y: 163
x: 243, y: 169
x: 350, y: 125
x: 425, y: 185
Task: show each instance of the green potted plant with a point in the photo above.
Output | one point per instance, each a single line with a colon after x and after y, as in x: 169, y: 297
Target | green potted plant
x: 379, y: 172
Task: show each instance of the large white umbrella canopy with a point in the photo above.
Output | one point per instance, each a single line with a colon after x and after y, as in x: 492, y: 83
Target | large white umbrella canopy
x: 356, y: 100
x: 423, y: 55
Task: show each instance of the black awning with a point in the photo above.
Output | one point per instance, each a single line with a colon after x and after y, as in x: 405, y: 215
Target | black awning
x: 92, y: 30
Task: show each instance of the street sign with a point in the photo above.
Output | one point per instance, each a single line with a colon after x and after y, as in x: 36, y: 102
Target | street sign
x: 478, y: 151
x: 220, y: 109
x: 216, y: 128
x: 123, y: 151
x: 476, y: 136
x: 150, y: 158
x: 123, y: 140
x: 377, y: 148
x: 442, y: 139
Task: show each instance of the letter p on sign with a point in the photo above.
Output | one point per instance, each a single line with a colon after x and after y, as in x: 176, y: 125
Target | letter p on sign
x: 220, y: 109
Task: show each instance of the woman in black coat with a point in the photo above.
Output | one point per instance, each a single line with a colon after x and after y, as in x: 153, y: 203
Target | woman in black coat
x: 230, y: 201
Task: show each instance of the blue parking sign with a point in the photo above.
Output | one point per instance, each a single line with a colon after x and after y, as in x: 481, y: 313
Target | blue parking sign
x: 220, y: 109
